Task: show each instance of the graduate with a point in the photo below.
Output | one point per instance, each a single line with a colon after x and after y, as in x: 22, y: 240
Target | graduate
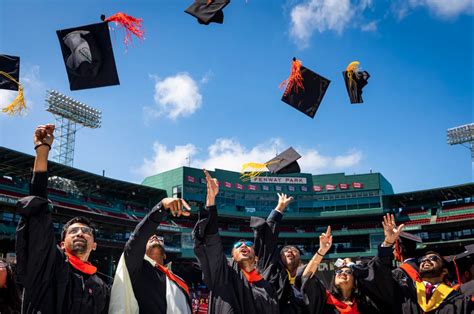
x: 427, y: 291
x: 142, y: 283
x: 55, y: 279
x: 236, y: 286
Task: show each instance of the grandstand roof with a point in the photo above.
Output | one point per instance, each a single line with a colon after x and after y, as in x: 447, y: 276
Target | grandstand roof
x: 19, y: 164
x: 423, y: 197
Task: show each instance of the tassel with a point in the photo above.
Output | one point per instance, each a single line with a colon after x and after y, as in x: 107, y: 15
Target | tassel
x: 209, y: 2
x: 457, y: 270
x: 257, y: 169
x: 295, y: 80
x: 132, y: 26
x: 351, y: 70
x: 18, y: 104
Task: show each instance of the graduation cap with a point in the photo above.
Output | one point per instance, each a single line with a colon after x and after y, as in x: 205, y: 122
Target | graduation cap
x: 305, y: 89
x: 283, y: 163
x: 88, y: 54
x: 10, y: 80
x: 208, y: 11
x: 355, y: 81
x: 409, y: 242
x: 462, y: 261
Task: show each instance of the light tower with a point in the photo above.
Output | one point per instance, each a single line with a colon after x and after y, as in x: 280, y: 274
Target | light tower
x: 68, y: 113
x: 463, y: 135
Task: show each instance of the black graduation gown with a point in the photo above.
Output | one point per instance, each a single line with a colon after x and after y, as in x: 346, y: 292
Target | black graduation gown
x: 149, y: 283
x: 380, y: 281
x: 230, y: 290
x: 399, y: 274
x: 314, y: 292
x: 50, y: 284
x: 269, y: 264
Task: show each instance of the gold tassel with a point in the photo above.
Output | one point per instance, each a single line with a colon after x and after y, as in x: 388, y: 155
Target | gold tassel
x: 352, y: 70
x: 18, y: 104
x: 257, y: 169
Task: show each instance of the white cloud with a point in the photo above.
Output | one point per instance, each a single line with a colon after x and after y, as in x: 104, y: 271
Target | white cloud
x: 320, y: 15
x: 445, y: 8
x: 230, y: 154
x: 6, y: 97
x: 176, y: 96
x: 369, y: 27
x: 165, y: 159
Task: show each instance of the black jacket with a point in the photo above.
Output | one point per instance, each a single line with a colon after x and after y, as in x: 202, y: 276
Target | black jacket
x: 401, y: 294
x: 290, y: 299
x: 50, y: 283
x: 230, y: 290
x: 149, y: 283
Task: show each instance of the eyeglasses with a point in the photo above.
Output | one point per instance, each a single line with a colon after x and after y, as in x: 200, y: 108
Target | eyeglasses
x: 240, y: 243
x: 345, y: 271
x: 433, y: 258
x: 75, y: 230
x: 291, y: 249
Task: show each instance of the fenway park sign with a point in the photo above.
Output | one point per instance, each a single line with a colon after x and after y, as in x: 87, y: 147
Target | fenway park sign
x: 281, y: 180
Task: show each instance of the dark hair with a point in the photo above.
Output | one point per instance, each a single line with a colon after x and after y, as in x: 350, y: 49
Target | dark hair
x: 11, y: 303
x: 407, y: 248
x: 362, y: 300
x: 81, y: 220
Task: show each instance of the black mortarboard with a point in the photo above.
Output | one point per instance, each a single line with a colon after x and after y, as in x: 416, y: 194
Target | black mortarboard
x: 208, y: 11
x: 355, y: 81
x: 409, y: 241
x: 285, y: 162
x: 88, y: 56
x: 11, y: 66
x: 305, y: 89
x: 10, y: 80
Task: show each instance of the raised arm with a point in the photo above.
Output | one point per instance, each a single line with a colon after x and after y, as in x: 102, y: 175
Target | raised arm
x: 207, y: 242
x: 136, y: 246
x: 377, y: 277
x: 266, y: 234
x: 35, y: 241
x: 325, y: 243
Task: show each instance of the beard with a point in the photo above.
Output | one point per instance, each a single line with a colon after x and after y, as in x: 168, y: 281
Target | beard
x: 431, y: 273
x: 79, y: 247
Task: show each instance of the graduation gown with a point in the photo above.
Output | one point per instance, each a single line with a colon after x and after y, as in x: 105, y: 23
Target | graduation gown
x: 152, y: 290
x: 230, y: 290
x: 50, y: 284
x: 316, y: 296
x: 290, y: 299
x: 380, y: 281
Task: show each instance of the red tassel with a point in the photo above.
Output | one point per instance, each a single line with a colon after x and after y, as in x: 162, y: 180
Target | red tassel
x: 132, y: 26
x: 457, y: 270
x: 209, y: 2
x: 295, y: 80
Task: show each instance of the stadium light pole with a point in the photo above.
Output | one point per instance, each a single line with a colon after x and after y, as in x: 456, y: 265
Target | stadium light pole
x: 69, y: 113
x: 463, y: 134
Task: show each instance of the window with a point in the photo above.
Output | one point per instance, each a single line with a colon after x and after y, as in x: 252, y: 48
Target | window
x: 177, y: 191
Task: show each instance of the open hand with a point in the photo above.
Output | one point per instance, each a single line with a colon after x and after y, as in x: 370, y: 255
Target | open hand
x: 283, y: 201
x: 390, y: 229
x: 176, y: 206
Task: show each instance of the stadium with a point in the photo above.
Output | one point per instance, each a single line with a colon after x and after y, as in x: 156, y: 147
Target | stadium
x: 352, y: 204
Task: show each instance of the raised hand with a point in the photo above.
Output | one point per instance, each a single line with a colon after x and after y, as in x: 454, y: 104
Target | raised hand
x: 325, y: 241
x: 176, y: 206
x: 212, y: 189
x: 283, y: 201
x: 390, y: 229
x: 44, y: 135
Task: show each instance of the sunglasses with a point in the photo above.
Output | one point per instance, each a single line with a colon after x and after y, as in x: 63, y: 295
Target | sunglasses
x: 345, y: 271
x: 75, y: 230
x: 433, y: 258
x: 240, y: 243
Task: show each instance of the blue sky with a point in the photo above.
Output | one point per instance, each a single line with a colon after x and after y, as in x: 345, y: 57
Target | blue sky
x: 211, y: 92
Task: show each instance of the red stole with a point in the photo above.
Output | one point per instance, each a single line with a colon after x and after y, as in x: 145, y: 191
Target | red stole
x: 77, y: 263
x: 173, y: 278
x: 252, y: 276
x: 341, y: 306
